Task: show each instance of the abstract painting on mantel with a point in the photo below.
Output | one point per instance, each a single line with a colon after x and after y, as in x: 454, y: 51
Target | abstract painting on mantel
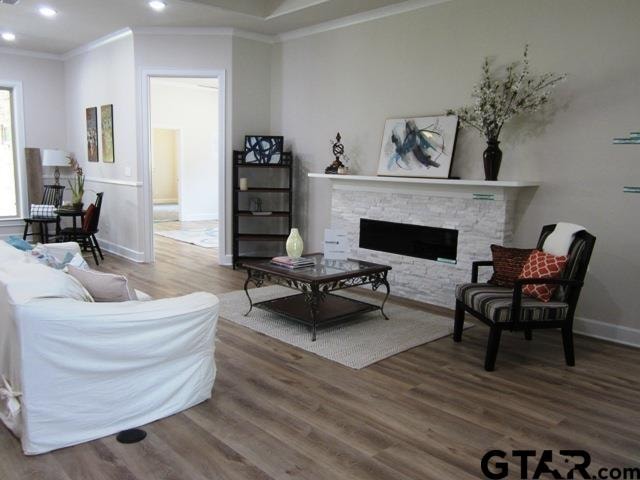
x: 418, y: 147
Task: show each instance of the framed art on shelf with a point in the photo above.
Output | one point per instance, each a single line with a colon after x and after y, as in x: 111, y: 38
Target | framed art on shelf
x: 262, y: 149
x: 92, y: 134
x: 106, y: 121
x: 418, y: 147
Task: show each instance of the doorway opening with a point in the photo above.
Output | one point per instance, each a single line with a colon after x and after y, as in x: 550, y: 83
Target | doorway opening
x: 185, y: 145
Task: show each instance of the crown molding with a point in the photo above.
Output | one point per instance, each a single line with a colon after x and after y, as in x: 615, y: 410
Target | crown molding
x: 30, y: 53
x: 231, y: 32
x: 182, y: 31
x: 258, y: 37
x: 375, y: 14
x: 288, y: 10
x: 100, y: 42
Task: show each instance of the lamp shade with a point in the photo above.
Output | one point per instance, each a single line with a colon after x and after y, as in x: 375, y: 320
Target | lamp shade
x: 55, y: 158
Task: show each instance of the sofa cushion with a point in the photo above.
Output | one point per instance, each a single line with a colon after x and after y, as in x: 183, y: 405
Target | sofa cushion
x: 27, y: 281
x: 103, y: 287
x: 495, y: 303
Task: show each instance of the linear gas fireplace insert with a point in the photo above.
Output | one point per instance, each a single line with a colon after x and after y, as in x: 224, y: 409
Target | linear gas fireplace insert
x: 418, y: 241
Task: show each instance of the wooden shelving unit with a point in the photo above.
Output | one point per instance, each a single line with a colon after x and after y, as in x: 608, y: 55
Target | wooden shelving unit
x: 246, y: 224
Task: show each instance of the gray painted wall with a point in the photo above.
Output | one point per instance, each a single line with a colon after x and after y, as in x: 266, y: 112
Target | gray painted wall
x: 423, y: 62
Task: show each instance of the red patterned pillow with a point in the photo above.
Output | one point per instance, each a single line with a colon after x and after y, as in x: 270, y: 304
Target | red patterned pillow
x: 542, y: 265
x: 507, y: 264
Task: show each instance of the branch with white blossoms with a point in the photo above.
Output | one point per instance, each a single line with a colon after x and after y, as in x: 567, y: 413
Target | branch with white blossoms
x: 498, y: 98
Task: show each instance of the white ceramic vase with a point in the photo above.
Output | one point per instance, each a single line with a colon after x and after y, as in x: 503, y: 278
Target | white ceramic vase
x: 294, y: 244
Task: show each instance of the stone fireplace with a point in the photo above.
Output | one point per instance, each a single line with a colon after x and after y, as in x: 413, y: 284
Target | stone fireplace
x: 481, y: 212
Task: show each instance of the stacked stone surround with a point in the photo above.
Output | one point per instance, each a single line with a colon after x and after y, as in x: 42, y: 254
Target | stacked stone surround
x: 480, y: 222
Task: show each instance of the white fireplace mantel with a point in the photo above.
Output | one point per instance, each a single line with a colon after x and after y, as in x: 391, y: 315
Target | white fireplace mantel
x: 483, y: 213
x: 473, y: 189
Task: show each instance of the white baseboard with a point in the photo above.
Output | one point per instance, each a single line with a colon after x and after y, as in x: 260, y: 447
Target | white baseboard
x: 226, y: 260
x: 121, y: 251
x: 607, y: 331
x: 193, y: 217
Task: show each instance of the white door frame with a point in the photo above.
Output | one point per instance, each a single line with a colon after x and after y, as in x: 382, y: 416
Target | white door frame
x: 144, y: 165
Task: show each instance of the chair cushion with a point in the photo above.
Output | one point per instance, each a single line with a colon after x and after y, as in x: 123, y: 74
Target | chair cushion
x: 88, y: 218
x: 507, y: 264
x: 494, y: 303
x: 43, y: 211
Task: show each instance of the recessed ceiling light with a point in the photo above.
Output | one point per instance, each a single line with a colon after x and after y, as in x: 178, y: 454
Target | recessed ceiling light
x: 47, y: 12
x: 8, y: 36
x: 157, y: 5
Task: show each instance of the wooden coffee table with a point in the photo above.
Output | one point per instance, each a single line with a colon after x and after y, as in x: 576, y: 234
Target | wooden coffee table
x: 316, y: 306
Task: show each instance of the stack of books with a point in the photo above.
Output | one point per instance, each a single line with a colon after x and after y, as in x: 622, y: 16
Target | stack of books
x: 293, y: 263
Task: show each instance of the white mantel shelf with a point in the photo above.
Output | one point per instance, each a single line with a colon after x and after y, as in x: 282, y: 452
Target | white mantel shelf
x: 437, y: 187
x: 428, y: 181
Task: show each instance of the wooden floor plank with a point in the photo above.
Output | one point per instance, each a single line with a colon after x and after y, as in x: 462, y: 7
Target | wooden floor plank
x: 432, y: 412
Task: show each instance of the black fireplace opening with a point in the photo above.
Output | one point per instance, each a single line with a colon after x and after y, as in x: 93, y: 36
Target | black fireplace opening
x: 418, y: 241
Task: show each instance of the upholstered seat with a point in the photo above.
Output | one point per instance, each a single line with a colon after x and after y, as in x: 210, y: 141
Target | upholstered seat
x: 495, y: 303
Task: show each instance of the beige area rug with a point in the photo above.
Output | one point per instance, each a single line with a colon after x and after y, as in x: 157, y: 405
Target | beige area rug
x: 359, y: 343
x: 202, y: 237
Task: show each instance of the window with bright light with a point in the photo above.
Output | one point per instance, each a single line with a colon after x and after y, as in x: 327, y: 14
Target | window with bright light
x: 8, y: 191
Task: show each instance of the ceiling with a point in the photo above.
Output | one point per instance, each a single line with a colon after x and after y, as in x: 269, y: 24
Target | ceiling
x: 79, y: 22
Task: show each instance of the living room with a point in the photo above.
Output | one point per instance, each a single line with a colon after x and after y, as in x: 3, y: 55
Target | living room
x: 369, y: 398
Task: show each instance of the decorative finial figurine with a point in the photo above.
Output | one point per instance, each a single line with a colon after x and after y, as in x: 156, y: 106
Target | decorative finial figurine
x: 338, y: 151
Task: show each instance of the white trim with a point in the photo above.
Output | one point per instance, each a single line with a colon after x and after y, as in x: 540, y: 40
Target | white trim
x: 478, y: 190
x: 100, y: 42
x: 427, y: 181
x: 31, y: 53
x: 258, y: 37
x: 607, y: 331
x: 375, y: 14
x: 195, y: 31
x: 18, y: 132
x: 144, y: 163
x: 11, y: 223
x: 182, y: 31
x: 121, y: 251
x: 225, y: 260
x: 286, y: 11
x: 112, y: 181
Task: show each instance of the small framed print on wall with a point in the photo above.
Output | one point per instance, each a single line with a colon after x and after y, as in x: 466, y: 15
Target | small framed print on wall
x: 92, y: 134
x: 106, y: 122
x: 263, y: 149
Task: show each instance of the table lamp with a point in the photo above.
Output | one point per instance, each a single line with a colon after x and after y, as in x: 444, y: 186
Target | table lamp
x: 55, y: 158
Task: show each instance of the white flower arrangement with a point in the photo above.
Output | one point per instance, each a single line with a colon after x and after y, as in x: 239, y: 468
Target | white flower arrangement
x: 498, y: 98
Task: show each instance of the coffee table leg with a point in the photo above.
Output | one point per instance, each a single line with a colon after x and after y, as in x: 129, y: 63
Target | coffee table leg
x: 386, y: 285
x: 246, y: 291
x: 313, y: 299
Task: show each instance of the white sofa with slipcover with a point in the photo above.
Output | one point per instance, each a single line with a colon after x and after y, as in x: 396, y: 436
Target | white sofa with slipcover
x: 73, y: 370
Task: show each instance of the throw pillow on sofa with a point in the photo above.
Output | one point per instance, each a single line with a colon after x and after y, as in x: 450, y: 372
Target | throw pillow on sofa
x: 542, y: 265
x: 507, y: 264
x: 19, y: 243
x: 103, y: 287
